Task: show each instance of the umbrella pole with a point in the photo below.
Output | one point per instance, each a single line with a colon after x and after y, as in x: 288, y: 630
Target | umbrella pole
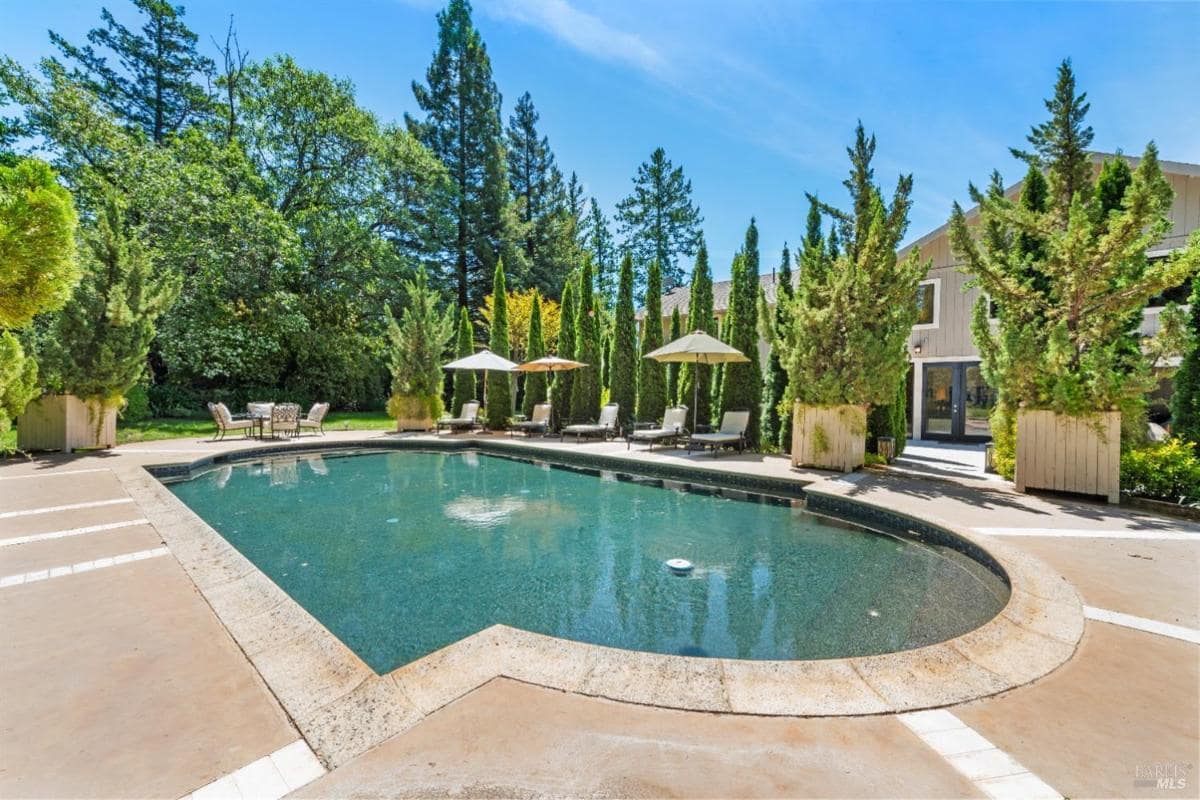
x: 695, y: 392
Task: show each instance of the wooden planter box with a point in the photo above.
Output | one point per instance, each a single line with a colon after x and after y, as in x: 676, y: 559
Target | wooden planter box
x: 1069, y: 454
x: 414, y: 424
x: 64, y: 422
x: 829, y: 437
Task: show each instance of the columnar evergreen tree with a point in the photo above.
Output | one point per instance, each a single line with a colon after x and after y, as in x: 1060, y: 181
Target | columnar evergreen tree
x: 560, y: 390
x: 1185, y: 402
x: 606, y: 351
x: 462, y: 127
x: 658, y: 221
x: 1068, y: 351
x: 652, y: 375
x: 464, y: 379
x: 673, y: 369
x: 535, y: 382
x: 38, y: 269
x: 741, y: 383
x: 623, y: 382
x: 99, y: 343
x: 499, y: 384
x: 853, y: 311
x: 775, y: 379
x: 585, y: 387
x: 542, y: 202
x: 700, y: 318
x: 417, y: 347
x: 161, y: 86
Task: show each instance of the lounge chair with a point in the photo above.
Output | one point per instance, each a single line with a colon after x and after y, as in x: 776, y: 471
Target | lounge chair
x: 314, y: 419
x: 226, y: 422
x: 467, y: 420
x: 606, y: 427
x: 539, y: 424
x: 285, y: 419
x: 671, y: 429
x: 731, y: 434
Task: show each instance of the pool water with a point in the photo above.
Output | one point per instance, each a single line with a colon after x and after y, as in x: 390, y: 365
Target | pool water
x: 401, y: 553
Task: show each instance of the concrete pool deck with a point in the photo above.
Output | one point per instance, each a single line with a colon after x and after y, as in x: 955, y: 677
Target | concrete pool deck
x: 133, y: 668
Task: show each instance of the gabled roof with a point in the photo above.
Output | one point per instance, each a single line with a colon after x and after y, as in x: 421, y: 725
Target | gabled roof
x: 1169, y: 167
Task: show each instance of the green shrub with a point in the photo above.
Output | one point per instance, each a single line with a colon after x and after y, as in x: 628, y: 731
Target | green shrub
x: 1167, y: 470
x: 137, y: 404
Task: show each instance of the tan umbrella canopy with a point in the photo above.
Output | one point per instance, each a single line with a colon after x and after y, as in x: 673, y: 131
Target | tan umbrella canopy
x: 697, y: 347
x: 485, y: 360
x: 550, y: 364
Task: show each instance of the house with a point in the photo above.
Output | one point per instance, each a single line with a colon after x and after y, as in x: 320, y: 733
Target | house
x: 948, y: 397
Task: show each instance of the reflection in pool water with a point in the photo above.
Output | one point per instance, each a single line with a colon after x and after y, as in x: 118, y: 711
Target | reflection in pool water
x: 402, y: 553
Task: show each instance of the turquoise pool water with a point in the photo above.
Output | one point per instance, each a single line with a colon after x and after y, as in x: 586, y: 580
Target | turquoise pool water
x: 401, y: 553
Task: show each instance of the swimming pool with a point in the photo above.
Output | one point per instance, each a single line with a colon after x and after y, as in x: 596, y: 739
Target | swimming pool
x: 401, y: 553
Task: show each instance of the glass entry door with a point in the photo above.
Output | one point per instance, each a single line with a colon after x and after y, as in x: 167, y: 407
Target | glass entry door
x: 956, y: 402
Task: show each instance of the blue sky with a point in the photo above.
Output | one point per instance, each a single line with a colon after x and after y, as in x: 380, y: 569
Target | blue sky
x: 755, y: 101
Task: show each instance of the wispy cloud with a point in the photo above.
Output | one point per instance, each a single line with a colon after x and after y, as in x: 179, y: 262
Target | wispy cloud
x: 585, y: 32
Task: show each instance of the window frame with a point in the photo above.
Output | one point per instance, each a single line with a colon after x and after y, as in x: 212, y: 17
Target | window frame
x: 937, y: 304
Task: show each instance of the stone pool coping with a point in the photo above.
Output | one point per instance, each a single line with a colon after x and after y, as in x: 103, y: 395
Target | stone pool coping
x: 344, y: 708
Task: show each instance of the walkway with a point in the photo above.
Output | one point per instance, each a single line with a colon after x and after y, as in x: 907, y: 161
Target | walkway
x: 116, y: 678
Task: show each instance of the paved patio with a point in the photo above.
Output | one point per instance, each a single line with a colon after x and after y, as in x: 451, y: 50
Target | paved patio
x: 117, y: 678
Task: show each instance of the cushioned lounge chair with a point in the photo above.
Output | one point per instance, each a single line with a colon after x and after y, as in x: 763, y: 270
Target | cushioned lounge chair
x: 226, y: 422
x: 731, y: 434
x: 314, y: 420
x: 539, y: 424
x: 671, y: 429
x: 467, y: 420
x: 606, y: 427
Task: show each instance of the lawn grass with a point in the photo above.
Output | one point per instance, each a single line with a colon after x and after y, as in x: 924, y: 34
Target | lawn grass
x: 155, y: 429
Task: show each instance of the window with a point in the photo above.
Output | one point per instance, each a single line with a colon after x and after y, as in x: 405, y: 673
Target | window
x: 927, y: 303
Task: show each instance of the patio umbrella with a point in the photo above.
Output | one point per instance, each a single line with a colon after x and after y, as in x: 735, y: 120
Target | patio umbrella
x: 697, y: 347
x: 550, y: 364
x: 483, y: 360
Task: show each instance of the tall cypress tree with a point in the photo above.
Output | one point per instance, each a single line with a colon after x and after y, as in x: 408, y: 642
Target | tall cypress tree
x: 658, y: 220
x: 606, y: 354
x: 462, y: 127
x: 652, y: 376
x: 673, y: 369
x: 560, y: 390
x: 623, y: 382
x: 741, y: 383
x: 700, y: 318
x: 499, y: 384
x: 1185, y: 402
x: 464, y: 379
x: 161, y: 86
x: 535, y: 382
x: 585, y: 388
x: 775, y: 381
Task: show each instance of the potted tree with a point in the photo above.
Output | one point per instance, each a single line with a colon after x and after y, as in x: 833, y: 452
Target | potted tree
x: 38, y: 269
x: 418, y: 346
x: 98, y: 344
x: 848, y: 323
x: 1065, y: 270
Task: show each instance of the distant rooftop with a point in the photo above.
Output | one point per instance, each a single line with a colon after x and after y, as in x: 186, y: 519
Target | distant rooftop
x: 678, y: 297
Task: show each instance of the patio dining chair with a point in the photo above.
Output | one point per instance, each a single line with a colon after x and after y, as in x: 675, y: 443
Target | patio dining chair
x: 314, y: 419
x: 225, y: 422
x: 285, y: 419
